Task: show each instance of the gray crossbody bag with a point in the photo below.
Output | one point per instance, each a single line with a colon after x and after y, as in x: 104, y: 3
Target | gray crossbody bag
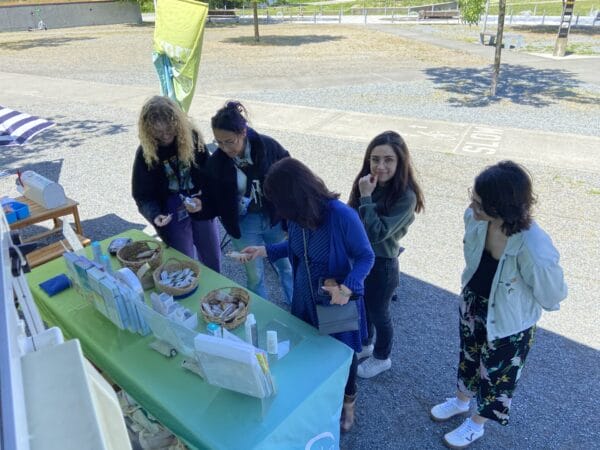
x: 332, y: 318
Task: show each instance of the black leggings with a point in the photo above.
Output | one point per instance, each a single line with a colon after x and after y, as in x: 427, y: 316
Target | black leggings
x: 351, y: 386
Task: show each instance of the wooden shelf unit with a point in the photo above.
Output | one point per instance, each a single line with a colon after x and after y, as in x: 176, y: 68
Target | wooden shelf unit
x: 37, y: 214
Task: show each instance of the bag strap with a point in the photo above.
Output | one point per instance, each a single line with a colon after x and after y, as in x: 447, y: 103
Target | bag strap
x: 312, y: 293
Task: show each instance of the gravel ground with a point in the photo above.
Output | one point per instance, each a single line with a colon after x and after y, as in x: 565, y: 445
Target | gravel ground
x: 409, y: 78
x: 91, y: 152
x: 454, y: 95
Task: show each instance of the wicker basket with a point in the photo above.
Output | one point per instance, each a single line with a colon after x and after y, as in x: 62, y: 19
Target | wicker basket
x: 172, y: 265
x: 127, y: 255
x: 238, y: 294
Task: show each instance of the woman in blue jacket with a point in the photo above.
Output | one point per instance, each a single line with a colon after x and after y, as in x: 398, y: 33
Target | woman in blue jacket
x: 512, y: 273
x: 336, y: 246
x: 237, y: 170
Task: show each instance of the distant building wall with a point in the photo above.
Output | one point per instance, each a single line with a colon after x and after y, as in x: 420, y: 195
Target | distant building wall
x: 65, y: 15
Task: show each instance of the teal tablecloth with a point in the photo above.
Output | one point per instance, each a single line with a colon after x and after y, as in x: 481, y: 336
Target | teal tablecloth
x: 310, y: 379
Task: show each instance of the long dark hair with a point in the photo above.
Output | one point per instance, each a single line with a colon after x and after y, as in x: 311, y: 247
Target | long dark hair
x: 297, y: 193
x: 233, y: 117
x: 403, y: 179
x: 506, y: 192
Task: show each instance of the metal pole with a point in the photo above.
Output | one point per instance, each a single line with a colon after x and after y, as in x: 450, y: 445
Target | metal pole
x: 485, y: 18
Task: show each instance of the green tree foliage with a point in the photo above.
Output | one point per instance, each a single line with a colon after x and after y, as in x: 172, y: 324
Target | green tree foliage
x: 471, y: 10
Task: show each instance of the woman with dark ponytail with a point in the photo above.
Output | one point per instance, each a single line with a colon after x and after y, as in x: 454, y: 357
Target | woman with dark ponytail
x: 238, y: 168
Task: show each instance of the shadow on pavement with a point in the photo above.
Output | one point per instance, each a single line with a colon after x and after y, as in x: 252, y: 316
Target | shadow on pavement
x: 48, y: 169
x: 555, y: 405
x: 518, y: 84
x: 42, y: 41
x: 96, y: 229
x: 108, y: 225
x: 283, y: 40
x: 71, y: 134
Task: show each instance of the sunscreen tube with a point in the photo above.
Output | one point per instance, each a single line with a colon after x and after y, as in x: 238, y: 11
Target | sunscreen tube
x: 272, y: 342
x: 250, y: 330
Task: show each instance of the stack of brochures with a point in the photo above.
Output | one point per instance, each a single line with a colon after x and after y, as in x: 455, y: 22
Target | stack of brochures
x: 234, y: 365
x: 115, y: 295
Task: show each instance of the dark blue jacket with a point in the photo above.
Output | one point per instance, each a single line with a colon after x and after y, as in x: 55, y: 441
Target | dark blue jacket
x: 222, y: 192
x: 150, y: 187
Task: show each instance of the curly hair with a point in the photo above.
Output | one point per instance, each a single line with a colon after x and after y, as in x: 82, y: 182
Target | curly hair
x: 506, y: 192
x: 297, y: 193
x: 403, y: 179
x: 164, y: 111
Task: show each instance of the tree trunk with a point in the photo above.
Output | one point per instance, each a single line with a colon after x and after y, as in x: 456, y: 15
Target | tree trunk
x: 255, y: 13
x: 500, y: 32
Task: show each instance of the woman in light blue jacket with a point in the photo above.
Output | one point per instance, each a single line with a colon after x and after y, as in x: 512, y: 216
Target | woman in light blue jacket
x: 512, y: 272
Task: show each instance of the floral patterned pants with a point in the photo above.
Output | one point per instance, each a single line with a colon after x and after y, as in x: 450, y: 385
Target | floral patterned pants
x: 489, y: 370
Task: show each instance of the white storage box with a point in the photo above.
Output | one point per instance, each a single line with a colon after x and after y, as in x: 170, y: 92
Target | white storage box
x: 42, y: 190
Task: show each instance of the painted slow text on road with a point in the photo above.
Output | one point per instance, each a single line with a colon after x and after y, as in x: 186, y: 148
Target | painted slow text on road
x: 481, y: 141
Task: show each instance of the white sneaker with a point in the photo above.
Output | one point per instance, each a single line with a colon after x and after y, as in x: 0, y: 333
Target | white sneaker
x: 373, y: 366
x: 446, y: 410
x: 463, y: 436
x: 366, y: 351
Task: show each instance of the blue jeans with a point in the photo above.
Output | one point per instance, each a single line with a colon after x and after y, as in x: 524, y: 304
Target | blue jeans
x: 256, y: 230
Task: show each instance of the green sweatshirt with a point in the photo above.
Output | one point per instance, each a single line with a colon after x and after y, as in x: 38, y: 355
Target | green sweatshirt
x: 385, y: 232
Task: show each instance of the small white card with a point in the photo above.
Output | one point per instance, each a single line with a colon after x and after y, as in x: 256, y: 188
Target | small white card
x: 71, y: 237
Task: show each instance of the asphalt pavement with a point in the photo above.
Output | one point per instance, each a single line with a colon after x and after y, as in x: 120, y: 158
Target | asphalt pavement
x: 556, y: 406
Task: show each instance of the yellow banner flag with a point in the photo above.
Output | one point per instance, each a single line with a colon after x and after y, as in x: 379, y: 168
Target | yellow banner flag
x: 178, y: 35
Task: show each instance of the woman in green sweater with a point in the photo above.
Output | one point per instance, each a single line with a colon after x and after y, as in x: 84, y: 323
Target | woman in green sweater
x: 386, y: 196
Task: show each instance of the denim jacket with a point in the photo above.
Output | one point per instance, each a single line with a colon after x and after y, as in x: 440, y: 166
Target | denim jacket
x: 528, y: 279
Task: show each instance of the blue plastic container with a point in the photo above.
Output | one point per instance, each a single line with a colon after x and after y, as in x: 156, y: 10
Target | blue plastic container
x: 19, y: 211
x: 11, y: 216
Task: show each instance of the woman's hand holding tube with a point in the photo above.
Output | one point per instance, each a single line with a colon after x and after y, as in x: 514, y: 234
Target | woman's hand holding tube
x: 162, y: 220
x: 254, y: 251
x: 193, y: 205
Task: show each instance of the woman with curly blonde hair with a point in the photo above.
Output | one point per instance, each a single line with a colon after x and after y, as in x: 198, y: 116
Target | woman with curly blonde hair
x: 168, y: 180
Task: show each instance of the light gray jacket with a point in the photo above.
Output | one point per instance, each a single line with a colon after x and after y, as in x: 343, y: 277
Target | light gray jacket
x: 528, y: 279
